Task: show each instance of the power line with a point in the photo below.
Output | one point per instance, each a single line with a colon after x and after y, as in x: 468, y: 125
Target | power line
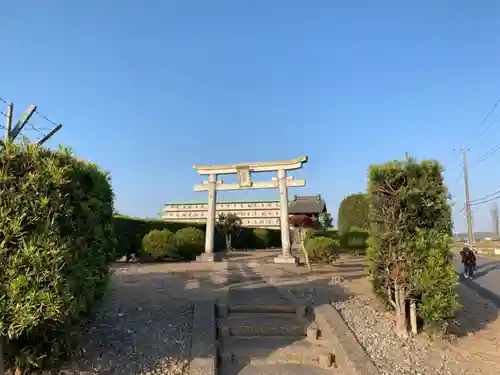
x: 486, y: 196
x: 488, y: 154
x: 486, y: 119
x: 484, y: 199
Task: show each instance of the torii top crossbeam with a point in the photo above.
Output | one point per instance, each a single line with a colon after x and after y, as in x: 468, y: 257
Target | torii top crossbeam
x: 269, y: 166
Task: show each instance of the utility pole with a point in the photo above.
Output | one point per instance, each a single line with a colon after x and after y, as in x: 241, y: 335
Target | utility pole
x: 496, y: 220
x: 470, y: 231
x: 8, y: 120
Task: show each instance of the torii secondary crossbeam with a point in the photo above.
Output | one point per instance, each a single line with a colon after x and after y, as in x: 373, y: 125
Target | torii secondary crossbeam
x: 245, y: 182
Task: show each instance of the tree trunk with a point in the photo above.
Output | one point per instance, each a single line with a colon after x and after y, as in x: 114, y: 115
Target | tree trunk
x: 302, y: 235
x: 228, y: 242
x: 401, y: 327
x: 413, y: 317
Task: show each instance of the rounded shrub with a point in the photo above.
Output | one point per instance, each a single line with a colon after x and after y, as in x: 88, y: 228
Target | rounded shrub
x: 187, y: 243
x: 261, y: 238
x: 56, y: 244
x: 355, y: 240
x: 157, y: 243
x: 322, y: 249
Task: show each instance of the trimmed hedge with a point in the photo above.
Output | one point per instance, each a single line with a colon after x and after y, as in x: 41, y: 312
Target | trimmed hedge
x: 410, y: 261
x: 353, y: 212
x: 56, y: 242
x: 355, y: 240
x: 261, y: 238
x: 322, y: 249
x: 130, y: 232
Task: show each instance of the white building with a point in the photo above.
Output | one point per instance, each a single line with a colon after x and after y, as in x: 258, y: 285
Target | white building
x: 261, y: 214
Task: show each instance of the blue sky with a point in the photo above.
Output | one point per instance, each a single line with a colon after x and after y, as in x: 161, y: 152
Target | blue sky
x: 147, y: 88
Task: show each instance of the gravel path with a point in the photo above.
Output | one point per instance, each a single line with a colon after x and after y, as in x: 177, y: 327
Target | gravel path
x: 374, y: 330
x: 140, y: 330
x: 390, y: 354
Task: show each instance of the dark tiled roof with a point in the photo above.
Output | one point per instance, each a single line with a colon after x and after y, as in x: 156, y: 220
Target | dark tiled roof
x: 306, y: 205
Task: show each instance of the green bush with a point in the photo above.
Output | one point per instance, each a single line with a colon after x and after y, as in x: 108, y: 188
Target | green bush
x: 130, y: 231
x: 188, y: 243
x: 322, y: 249
x: 409, y: 256
x: 56, y: 243
x: 353, y: 212
x: 262, y: 238
x: 331, y: 233
x: 355, y: 240
x: 158, y: 243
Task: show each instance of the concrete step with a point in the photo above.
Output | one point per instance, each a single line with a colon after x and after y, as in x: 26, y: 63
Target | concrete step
x: 266, y: 324
x: 263, y: 294
x: 262, y: 309
x: 276, y: 369
x: 272, y: 350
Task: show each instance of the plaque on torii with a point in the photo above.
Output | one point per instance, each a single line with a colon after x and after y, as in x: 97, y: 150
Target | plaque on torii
x: 244, y: 173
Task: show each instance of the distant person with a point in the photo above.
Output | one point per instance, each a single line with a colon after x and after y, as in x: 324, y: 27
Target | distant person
x: 469, y: 261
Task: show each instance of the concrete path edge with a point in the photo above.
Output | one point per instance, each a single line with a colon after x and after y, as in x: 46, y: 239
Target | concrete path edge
x: 350, y: 355
x: 203, y: 339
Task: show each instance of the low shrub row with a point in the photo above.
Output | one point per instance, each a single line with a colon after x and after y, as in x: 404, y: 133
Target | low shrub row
x: 185, y: 244
x: 130, y: 233
x: 325, y: 246
x: 322, y: 249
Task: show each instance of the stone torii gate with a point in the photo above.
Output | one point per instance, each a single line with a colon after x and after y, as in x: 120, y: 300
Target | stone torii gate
x: 243, y: 171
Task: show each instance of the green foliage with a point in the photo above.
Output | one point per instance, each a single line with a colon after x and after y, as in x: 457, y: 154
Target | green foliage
x: 322, y: 249
x: 228, y: 224
x: 188, y: 243
x: 353, y: 212
x: 332, y: 233
x: 355, y: 240
x: 158, y: 243
x: 262, y: 238
x: 435, y: 283
x: 130, y: 232
x: 325, y: 221
x: 410, y: 221
x: 56, y: 243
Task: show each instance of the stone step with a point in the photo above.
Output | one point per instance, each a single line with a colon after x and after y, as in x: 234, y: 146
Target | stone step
x: 265, y: 309
x: 262, y: 294
x: 272, y: 350
x: 276, y: 369
x: 245, y: 324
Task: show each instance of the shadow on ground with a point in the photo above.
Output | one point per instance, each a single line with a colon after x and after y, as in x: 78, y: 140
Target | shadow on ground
x: 481, y: 306
x: 146, y: 322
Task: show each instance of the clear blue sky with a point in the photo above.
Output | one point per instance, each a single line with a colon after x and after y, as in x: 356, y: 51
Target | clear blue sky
x: 147, y: 88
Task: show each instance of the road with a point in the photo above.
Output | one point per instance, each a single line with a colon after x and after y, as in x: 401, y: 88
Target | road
x: 486, y: 281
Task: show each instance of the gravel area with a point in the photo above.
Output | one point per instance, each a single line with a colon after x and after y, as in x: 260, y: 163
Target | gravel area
x: 391, y: 355
x: 374, y: 331
x: 140, y: 330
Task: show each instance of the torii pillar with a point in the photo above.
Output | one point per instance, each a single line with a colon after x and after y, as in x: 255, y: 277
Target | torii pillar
x: 244, y: 170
